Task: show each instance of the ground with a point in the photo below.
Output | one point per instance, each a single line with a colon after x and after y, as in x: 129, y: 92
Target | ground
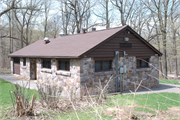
x: 145, y: 105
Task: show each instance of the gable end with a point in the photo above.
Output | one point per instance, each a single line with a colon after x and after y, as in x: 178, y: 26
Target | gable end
x: 139, y: 46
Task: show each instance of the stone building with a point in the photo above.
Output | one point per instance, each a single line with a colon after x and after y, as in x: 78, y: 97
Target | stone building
x: 89, y: 58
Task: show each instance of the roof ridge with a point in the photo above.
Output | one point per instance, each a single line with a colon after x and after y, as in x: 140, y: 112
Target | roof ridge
x: 92, y: 31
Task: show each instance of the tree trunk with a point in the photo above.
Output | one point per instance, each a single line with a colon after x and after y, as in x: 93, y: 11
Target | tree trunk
x: 67, y: 19
x: 122, y: 15
x: 27, y: 31
x: 170, y: 67
x: 165, y: 55
x: 45, y: 26
x: 175, y: 54
x: 160, y: 59
x: 10, y: 42
x: 22, y: 36
x: 107, y: 15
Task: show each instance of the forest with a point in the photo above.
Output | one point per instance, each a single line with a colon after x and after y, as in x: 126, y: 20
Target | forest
x: 23, y: 22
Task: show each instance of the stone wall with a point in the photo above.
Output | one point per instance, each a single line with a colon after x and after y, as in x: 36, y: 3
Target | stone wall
x: 87, y: 66
x: 46, y: 76
x: 149, y: 76
x: 12, y: 67
x: 25, y: 70
x: 67, y: 79
x: 91, y: 79
x: 82, y: 72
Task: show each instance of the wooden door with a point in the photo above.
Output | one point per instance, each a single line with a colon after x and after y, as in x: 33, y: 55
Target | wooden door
x: 17, y: 66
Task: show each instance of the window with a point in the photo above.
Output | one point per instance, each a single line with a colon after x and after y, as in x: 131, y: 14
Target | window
x: 47, y: 64
x: 102, y: 66
x: 16, y: 60
x: 24, y: 61
x: 64, y: 65
x: 125, y: 45
x: 142, y: 63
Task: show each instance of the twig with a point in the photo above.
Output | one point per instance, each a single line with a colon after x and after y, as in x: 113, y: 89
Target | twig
x: 134, y: 98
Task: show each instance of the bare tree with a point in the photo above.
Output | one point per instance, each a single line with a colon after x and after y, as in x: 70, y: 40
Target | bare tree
x: 53, y: 26
x: 160, y: 9
x: 79, y: 8
x: 11, y: 4
x: 47, y: 6
x: 125, y: 8
x: 138, y: 17
x: 158, y: 41
x: 25, y: 20
x: 66, y: 13
x: 174, y: 16
x: 104, y: 12
x: 14, y: 5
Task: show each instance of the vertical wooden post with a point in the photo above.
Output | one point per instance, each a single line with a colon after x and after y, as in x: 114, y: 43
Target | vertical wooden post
x: 35, y: 68
x: 116, y: 67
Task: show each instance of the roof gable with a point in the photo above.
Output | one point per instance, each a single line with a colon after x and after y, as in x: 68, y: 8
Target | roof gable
x: 103, y: 47
x: 72, y: 46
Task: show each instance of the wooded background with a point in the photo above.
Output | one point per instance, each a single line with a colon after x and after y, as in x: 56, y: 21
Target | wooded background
x: 23, y: 22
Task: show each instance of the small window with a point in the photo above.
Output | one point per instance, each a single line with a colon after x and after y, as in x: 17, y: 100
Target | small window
x: 24, y: 61
x: 64, y: 65
x: 46, y: 64
x: 102, y: 66
x: 142, y: 63
x: 16, y: 60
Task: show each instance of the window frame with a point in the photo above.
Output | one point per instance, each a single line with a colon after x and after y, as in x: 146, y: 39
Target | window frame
x: 102, y: 65
x: 65, y: 62
x: 24, y: 61
x: 141, y: 62
x: 43, y: 60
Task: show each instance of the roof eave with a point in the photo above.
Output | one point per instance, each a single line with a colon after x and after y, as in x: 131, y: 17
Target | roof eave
x: 43, y: 56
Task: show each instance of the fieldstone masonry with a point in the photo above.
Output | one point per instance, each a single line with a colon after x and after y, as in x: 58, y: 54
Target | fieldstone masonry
x: 25, y: 70
x: 149, y: 76
x: 82, y: 72
x: 53, y: 76
x: 12, y: 67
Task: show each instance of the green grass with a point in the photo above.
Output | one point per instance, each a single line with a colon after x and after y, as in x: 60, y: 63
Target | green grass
x: 83, y: 115
x: 5, y: 99
x: 169, y: 81
x: 158, y: 101
x: 4, y: 73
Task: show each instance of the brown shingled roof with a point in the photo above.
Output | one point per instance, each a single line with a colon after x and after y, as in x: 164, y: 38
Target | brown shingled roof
x: 71, y: 46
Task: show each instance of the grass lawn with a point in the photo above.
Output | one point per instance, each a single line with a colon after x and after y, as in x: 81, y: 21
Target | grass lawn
x: 5, y: 99
x: 158, y: 101
x: 174, y: 82
x: 146, y: 102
